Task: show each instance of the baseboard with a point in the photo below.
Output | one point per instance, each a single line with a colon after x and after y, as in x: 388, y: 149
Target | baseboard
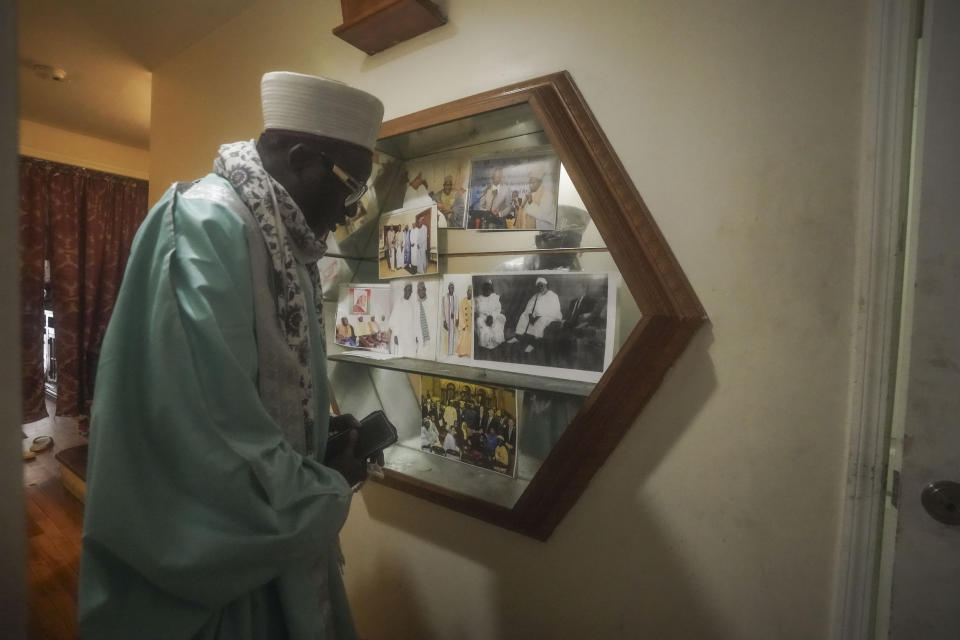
x: 73, y: 470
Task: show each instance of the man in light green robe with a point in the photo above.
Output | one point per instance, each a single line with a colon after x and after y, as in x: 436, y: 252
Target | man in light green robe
x: 211, y: 512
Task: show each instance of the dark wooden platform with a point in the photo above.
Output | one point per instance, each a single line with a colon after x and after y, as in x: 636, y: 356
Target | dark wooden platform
x: 54, y: 521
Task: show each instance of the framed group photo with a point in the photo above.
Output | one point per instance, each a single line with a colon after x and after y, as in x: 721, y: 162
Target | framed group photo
x: 473, y: 423
x: 514, y: 192
x: 407, y: 243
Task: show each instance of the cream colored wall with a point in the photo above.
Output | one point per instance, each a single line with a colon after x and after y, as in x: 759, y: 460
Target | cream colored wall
x: 44, y: 141
x: 718, y: 514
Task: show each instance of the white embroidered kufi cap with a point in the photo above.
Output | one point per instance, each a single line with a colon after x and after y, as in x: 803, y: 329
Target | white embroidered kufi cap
x: 323, y: 107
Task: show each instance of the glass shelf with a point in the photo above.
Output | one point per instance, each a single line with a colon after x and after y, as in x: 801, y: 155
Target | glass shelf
x: 361, y: 387
x: 497, y: 128
x: 471, y: 374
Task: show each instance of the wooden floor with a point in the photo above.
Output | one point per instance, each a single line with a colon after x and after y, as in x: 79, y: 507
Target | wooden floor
x: 54, y: 523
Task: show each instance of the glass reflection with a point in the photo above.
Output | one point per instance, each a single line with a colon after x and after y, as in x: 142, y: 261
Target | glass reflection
x: 452, y: 165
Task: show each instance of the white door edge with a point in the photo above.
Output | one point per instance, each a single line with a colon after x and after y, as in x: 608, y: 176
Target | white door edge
x: 883, y: 192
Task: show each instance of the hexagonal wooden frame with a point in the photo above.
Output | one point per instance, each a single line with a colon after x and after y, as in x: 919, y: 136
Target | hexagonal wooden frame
x: 671, y: 311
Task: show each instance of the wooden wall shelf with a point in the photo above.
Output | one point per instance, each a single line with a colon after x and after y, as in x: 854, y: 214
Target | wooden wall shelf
x: 671, y: 312
x: 375, y: 25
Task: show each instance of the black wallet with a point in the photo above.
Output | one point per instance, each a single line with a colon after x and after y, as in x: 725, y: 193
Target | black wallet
x: 376, y: 434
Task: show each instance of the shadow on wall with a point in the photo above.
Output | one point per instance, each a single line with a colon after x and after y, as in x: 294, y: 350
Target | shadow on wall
x: 608, y: 571
x: 422, y: 41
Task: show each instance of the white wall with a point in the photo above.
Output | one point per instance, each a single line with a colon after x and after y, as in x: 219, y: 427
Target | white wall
x: 59, y: 145
x: 718, y: 514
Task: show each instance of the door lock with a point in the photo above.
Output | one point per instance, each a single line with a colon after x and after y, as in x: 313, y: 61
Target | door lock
x: 941, y: 499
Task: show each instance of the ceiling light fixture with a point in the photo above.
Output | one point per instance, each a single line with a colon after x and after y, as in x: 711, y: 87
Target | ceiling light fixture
x: 48, y: 72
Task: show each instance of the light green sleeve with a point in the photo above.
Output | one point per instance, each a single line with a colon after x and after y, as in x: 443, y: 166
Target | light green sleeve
x: 191, y: 485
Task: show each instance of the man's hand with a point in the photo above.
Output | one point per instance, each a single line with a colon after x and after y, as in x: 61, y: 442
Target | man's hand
x: 353, y: 469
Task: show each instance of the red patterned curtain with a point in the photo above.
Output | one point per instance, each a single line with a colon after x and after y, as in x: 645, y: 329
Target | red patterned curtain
x: 92, y: 218
x: 34, y: 199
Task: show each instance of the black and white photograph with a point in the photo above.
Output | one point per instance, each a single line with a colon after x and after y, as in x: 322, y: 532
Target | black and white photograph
x: 407, y: 243
x: 550, y: 323
x: 363, y: 314
x: 413, y: 318
x: 475, y: 424
x: 442, y: 181
x: 456, y: 319
x: 514, y: 192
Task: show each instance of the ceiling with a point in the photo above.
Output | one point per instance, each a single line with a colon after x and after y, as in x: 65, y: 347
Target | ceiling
x: 107, y: 48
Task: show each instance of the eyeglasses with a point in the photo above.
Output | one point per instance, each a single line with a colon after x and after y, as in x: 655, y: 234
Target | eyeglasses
x: 357, y: 188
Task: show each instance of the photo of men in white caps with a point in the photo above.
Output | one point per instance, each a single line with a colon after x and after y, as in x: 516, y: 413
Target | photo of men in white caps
x: 545, y: 322
x: 413, y: 319
x: 514, y: 192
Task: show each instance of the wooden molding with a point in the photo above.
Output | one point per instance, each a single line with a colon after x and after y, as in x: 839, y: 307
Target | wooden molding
x: 671, y: 311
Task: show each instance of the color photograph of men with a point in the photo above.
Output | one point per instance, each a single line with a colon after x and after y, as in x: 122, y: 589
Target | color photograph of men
x: 456, y: 319
x: 474, y: 424
x: 408, y: 243
x: 413, y: 320
x: 514, y: 192
x: 546, y: 322
x: 441, y: 181
x: 357, y: 310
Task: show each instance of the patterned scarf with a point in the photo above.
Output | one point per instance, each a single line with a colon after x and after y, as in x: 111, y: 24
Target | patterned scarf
x: 424, y: 328
x: 289, y: 240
